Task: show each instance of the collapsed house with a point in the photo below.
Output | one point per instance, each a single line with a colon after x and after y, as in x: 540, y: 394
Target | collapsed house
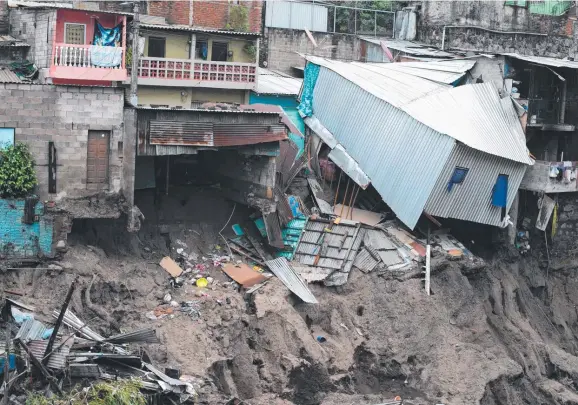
x: 426, y: 147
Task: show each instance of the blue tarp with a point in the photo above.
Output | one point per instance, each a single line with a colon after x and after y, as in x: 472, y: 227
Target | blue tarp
x: 311, y: 75
x: 107, y: 36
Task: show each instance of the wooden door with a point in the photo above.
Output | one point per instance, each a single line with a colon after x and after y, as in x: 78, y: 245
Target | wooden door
x: 97, y: 159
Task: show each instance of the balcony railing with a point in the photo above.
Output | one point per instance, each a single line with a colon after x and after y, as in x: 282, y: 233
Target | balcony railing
x: 88, y: 62
x: 175, y: 72
x: 551, y: 177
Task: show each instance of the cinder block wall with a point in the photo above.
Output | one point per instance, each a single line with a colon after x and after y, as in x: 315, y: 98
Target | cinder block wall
x: 36, y: 27
x: 3, y: 16
x: 64, y: 115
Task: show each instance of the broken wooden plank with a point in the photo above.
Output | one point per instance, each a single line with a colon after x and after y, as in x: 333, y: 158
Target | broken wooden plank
x: 171, y: 267
x: 243, y: 274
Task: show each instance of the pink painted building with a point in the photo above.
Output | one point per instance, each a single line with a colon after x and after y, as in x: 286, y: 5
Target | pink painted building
x: 76, y: 58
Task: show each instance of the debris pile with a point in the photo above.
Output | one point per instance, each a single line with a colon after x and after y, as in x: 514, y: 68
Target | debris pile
x: 71, y: 360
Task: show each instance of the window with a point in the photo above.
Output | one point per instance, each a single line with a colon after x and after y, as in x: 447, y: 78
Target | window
x: 201, y: 49
x: 219, y: 51
x: 74, y: 34
x: 458, y: 177
x: 157, y: 47
x: 6, y: 137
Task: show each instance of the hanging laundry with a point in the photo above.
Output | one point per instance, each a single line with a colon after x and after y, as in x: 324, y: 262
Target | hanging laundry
x: 567, y: 174
x: 553, y: 172
x: 107, y: 36
x: 500, y: 194
x: 458, y: 177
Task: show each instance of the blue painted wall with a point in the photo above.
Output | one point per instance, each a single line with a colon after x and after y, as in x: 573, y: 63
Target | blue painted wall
x: 289, y: 105
x: 19, y: 240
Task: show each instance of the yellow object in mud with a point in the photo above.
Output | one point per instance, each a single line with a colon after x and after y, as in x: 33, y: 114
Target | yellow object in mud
x: 202, y: 282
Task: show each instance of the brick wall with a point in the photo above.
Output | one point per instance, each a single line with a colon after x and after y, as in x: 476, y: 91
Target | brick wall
x: 64, y: 115
x: 36, y: 27
x: 205, y: 13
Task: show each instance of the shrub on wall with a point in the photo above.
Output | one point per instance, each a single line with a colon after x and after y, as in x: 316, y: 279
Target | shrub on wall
x: 238, y: 19
x: 17, y: 176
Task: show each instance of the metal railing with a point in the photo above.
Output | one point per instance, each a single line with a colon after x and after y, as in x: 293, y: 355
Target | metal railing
x: 199, y: 70
x: 81, y: 56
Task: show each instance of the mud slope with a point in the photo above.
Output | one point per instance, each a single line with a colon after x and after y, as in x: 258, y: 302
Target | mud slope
x: 491, y: 336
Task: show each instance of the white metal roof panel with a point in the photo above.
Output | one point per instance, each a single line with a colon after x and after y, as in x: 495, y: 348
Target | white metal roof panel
x: 178, y: 27
x: 542, y: 60
x: 8, y: 76
x: 273, y: 83
x: 446, y: 72
x: 475, y: 115
x: 395, y: 87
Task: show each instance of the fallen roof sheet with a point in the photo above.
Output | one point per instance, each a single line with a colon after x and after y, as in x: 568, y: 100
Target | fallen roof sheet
x: 270, y: 82
x: 542, y: 60
x: 281, y: 268
x: 57, y: 359
x: 147, y: 335
x: 409, y: 47
x: 31, y: 329
x: 473, y: 114
x: 178, y: 27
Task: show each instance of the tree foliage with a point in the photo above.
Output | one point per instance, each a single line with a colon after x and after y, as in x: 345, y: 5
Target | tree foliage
x: 238, y: 18
x: 17, y: 176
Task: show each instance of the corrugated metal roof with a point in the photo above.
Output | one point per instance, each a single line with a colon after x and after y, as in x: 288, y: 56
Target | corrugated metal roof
x: 8, y: 40
x: 541, y: 60
x: 281, y: 268
x: 270, y: 82
x: 177, y: 27
x: 57, y: 5
x: 401, y: 156
x: 8, y: 76
x: 409, y: 47
x: 438, y: 71
x: 475, y: 115
x: 472, y: 114
x: 31, y: 329
x: 219, y: 108
x: 396, y: 88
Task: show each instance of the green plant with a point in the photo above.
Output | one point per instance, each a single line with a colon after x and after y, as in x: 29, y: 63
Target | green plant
x: 128, y: 58
x: 250, y: 50
x: 122, y: 392
x: 238, y: 18
x: 17, y: 176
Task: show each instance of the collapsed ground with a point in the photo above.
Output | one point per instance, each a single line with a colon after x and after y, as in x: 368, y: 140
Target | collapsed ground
x: 497, y: 332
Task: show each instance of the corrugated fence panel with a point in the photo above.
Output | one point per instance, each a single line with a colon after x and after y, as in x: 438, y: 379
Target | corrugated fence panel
x: 181, y: 133
x: 290, y: 14
x: 402, y: 156
x: 472, y: 200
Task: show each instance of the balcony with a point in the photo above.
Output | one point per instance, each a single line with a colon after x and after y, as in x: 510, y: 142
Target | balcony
x: 197, y: 73
x: 550, y: 177
x: 88, y: 63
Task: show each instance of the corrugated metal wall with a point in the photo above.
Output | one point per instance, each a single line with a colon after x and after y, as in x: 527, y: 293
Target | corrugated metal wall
x: 403, y: 157
x: 471, y: 200
x: 293, y: 15
x: 144, y: 116
x: 375, y: 53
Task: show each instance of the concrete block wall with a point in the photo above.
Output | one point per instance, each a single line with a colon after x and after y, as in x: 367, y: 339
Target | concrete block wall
x: 4, y: 16
x: 558, y: 39
x: 36, y: 27
x: 20, y: 240
x: 64, y: 115
x: 281, y: 45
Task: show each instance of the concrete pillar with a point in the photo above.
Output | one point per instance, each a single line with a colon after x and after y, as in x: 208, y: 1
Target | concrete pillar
x: 129, y: 155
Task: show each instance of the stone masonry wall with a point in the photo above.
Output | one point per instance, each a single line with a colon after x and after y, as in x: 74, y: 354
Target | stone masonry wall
x: 280, y: 47
x: 557, y: 39
x: 36, y: 27
x: 64, y: 115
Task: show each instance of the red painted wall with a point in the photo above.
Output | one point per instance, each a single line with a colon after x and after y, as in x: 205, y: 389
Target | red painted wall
x: 84, y: 17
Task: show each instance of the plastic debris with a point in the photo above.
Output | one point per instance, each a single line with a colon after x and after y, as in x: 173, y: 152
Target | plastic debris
x: 202, y: 282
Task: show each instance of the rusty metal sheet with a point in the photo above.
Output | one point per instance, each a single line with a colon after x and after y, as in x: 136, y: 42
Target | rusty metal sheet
x: 283, y: 207
x: 234, y: 134
x: 181, y: 133
x: 273, y: 228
